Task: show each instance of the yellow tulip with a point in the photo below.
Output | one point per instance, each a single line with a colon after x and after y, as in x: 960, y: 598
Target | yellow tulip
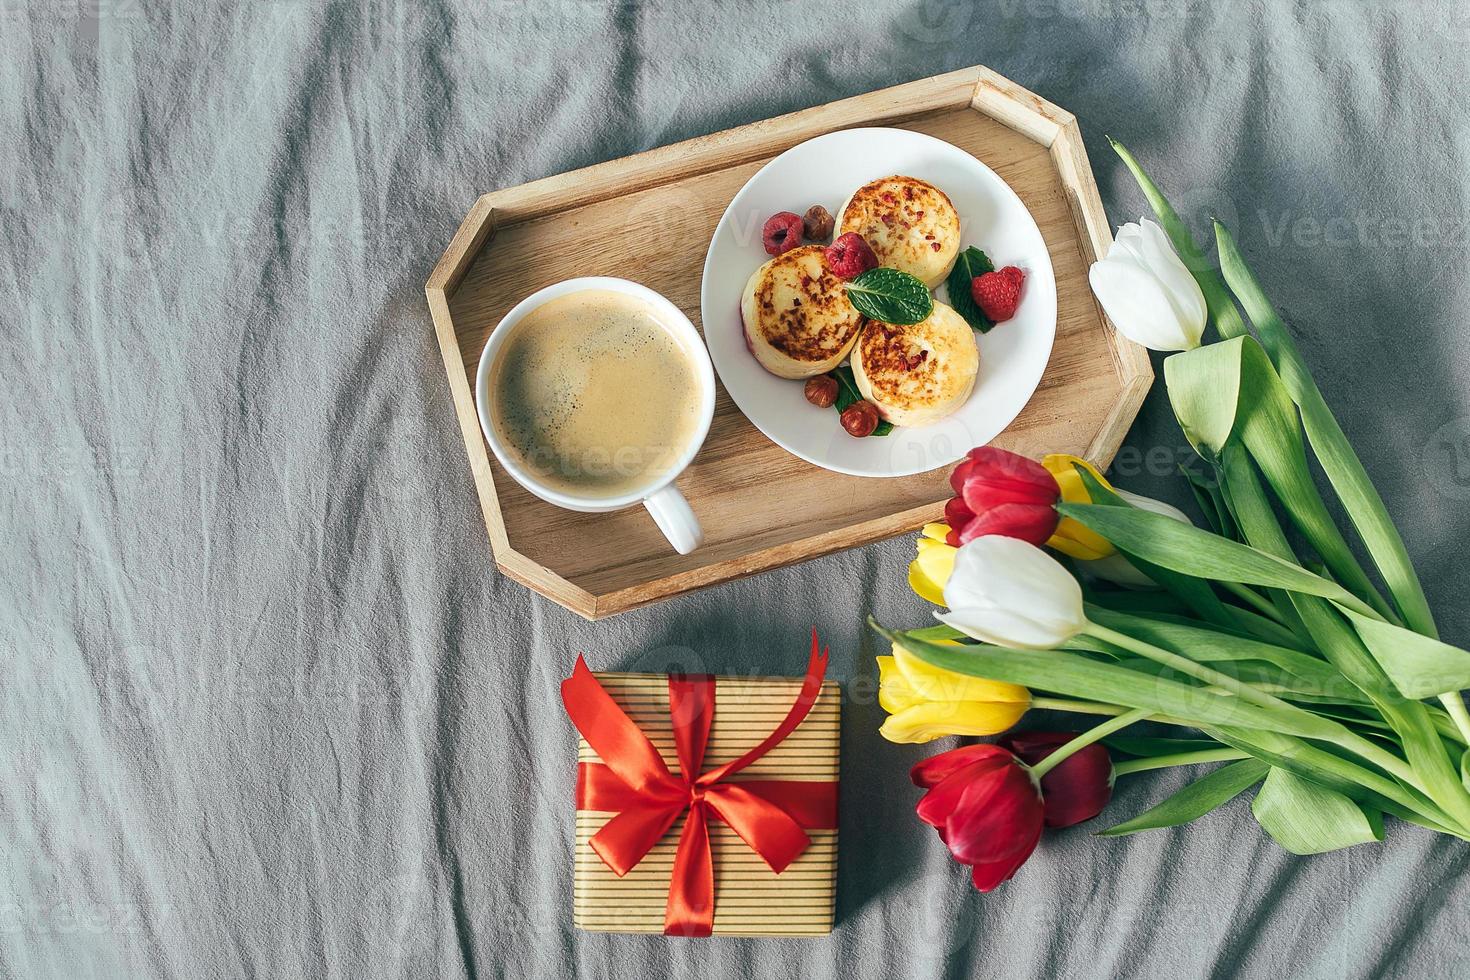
x: 925, y: 702
x: 1071, y: 537
x: 931, y: 569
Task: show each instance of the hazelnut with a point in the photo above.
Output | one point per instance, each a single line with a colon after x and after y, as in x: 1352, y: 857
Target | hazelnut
x: 860, y: 419
x: 818, y: 223
x: 821, y: 391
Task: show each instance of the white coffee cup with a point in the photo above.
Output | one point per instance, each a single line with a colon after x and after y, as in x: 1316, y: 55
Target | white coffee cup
x: 670, y: 511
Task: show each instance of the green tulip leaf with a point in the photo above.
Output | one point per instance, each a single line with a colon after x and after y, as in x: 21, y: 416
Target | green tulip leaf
x: 1420, y: 667
x: 1212, y: 503
x: 1195, y: 593
x: 1244, y: 623
x: 941, y: 631
x: 1410, y: 721
x: 1207, y: 507
x: 1197, y: 799
x: 1345, y: 471
x: 1339, y: 643
x: 1265, y: 677
x: 1191, y: 551
x: 1359, y: 783
x: 1369, y: 516
x: 1293, y: 670
x: 1132, y: 600
x: 1307, y: 818
x: 1204, y: 387
x: 1147, y: 747
x: 1231, y: 389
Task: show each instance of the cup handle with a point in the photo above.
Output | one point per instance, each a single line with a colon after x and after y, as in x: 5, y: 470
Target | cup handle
x: 671, y: 513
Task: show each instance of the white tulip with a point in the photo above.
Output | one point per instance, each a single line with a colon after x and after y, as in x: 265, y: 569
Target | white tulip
x: 1011, y: 593
x: 1147, y: 292
x: 1119, y: 570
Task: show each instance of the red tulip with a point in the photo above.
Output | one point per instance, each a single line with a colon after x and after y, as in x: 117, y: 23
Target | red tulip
x: 1081, y: 784
x: 986, y: 808
x: 1000, y: 492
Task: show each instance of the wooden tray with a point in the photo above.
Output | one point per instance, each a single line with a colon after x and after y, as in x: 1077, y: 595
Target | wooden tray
x: 760, y: 506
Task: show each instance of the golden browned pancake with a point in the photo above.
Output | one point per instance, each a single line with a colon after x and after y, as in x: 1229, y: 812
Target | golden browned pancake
x: 910, y: 224
x: 798, y: 321
x: 918, y: 373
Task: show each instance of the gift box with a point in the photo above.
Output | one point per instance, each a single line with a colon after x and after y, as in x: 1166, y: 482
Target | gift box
x: 705, y: 805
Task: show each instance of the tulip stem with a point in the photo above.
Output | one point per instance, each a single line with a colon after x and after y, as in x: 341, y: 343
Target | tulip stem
x: 1085, y: 739
x: 1254, y: 599
x: 1099, y: 708
x: 1178, y: 759
x: 1080, y: 707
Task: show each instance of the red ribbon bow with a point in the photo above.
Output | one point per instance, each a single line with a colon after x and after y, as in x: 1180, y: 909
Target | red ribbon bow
x: 770, y: 815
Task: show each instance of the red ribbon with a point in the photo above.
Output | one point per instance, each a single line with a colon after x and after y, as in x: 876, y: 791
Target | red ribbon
x: 770, y: 815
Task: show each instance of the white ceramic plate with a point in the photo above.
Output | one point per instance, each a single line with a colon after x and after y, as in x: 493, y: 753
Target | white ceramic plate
x: 825, y: 171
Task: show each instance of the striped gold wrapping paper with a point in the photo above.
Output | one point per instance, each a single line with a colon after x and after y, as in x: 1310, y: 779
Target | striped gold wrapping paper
x: 750, y: 899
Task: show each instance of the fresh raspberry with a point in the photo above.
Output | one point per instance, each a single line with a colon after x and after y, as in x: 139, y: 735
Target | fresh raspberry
x: 998, y: 293
x: 850, y: 256
x: 782, y: 232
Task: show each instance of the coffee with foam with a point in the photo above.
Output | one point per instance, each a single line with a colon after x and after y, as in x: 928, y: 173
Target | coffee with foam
x: 594, y: 395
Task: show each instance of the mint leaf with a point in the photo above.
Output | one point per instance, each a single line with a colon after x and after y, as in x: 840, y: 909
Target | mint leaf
x: 847, y: 389
x: 847, y: 394
x: 890, y: 296
x: 971, y: 263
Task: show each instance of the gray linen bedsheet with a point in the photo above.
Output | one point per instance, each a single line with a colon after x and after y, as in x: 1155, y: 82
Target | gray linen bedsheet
x: 268, y: 710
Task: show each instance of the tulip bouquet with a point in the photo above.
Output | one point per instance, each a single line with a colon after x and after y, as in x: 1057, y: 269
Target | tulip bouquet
x: 1261, y: 636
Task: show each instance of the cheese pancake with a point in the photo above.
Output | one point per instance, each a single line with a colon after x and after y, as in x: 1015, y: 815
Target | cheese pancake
x: 917, y: 373
x: 797, y: 319
x: 910, y: 224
